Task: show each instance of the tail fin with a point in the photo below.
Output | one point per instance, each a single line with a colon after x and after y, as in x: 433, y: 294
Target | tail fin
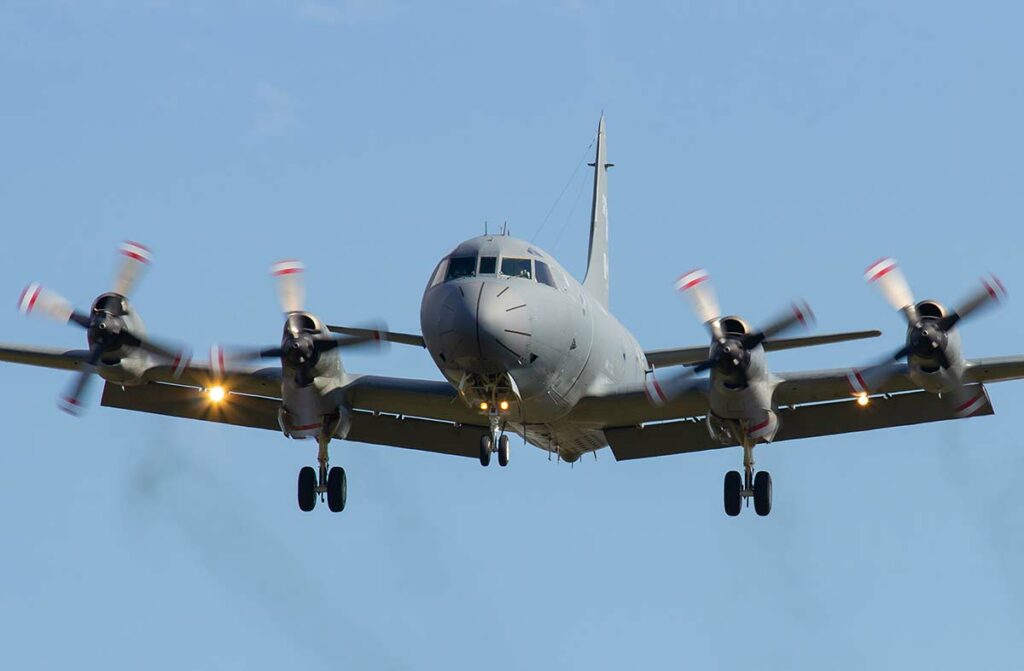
x: 596, y: 280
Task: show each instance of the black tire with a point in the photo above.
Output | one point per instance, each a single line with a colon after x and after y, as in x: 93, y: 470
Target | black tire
x: 337, y: 489
x: 733, y: 493
x: 485, y: 450
x: 762, y: 493
x: 503, y: 452
x: 307, y: 489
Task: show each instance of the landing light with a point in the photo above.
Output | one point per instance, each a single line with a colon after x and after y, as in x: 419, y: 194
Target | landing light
x: 216, y: 394
x: 863, y: 400
x: 503, y: 405
x: 483, y: 405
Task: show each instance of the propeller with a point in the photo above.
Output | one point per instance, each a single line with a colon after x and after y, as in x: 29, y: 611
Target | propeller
x: 729, y: 353
x: 106, y: 326
x: 302, y: 343
x: 927, y: 335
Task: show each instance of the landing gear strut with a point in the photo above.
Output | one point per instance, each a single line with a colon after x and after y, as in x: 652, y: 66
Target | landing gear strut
x: 737, y: 488
x: 325, y: 480
x: 495, y: 441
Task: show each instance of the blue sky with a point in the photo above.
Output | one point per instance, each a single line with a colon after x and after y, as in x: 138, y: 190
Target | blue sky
x: 782, y: 145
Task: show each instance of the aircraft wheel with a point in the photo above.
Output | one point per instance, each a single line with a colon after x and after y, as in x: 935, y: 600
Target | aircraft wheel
x: 733, y: 493
x: 503, y: 451
x: 307, y: 488
x: 485, y: 450
x: 762, y: 493
x: 337, y: 489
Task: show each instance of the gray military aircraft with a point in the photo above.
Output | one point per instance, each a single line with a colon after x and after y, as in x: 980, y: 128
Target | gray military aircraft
x: 526, y: 349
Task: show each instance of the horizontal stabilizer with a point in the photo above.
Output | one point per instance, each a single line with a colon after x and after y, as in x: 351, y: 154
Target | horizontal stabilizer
x: 689, y: 356
x: 386, y: 336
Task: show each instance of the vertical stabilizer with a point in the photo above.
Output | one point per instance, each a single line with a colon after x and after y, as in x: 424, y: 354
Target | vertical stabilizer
x: 596, y: 280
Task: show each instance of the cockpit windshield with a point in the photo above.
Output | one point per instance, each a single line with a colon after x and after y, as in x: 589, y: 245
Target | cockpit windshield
x: 461, y: 266
x: 517, y: 268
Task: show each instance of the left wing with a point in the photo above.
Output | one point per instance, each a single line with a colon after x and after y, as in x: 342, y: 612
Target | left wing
x: 807, y: 421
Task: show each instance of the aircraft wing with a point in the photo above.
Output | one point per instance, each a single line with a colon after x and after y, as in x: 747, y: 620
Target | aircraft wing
x: 255, y: 381
x: 807, y: 421
x: 689, y: 356
x: 415, y: 414
x: 812, y: 403
x: 46, y: 357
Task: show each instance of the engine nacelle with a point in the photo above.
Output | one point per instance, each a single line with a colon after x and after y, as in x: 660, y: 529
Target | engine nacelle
x: 733, y: 325
x: 931, y: 309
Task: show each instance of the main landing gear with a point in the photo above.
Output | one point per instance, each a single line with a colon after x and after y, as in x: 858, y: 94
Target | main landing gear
x: 750, y: 485
x: 495, y: 441
x: 318, y: 482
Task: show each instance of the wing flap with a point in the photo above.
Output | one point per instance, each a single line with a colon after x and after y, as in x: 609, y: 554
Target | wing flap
x: 806, y: 421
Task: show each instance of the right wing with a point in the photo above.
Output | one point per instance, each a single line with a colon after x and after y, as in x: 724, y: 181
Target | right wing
x: 806, y: 421
x: 261, y: 413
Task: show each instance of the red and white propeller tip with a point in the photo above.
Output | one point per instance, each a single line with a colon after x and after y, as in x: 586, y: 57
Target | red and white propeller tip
x: 290, y: 290
x: 803, y: 313
x: 134, y: 259
x: 886, y: 275
x: 35, y: 299
x: 995, y: 288
x: 696, y: 286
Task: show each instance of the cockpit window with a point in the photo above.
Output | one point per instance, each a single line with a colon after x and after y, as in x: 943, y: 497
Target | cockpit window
x: 488, y: 265
x: 544, y: 275
x: 517, y: 268
x: 439, y: 272
x: 461, y: 266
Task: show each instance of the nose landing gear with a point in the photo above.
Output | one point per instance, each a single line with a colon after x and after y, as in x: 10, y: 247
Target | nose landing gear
x: 738, y: 488
x: 495, y: 441
x: 326, y: 480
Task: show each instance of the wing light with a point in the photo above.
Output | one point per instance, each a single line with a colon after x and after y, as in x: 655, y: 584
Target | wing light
x: 216, y: 394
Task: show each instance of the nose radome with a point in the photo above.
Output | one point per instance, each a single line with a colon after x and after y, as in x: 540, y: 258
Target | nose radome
x: 483, y: 327
x: 503, y: 322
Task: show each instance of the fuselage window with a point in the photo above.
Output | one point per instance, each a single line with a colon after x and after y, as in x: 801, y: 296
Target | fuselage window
x: 517, y: 268
x: 461, y: 266
x: 544, y: 275
x: 488, y: 265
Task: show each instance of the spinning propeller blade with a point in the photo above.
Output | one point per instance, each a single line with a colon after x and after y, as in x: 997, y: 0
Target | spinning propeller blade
x: 696, y: 286
x: 290, y: 289
x: 134, y: 259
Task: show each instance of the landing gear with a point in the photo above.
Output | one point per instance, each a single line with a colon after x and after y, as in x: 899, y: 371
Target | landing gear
x: 324, y: 480
x: 503, y: 450
x: 337, y: 489
x: 749, y: 485
x: 733, y: 493
x: 763, y: 493
x: 495, y: 441
x: 307, y: 489
x: 486, y: 446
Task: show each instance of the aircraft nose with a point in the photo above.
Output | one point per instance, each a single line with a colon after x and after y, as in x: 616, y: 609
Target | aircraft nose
x: 503, y: 321
x: 484, y: 327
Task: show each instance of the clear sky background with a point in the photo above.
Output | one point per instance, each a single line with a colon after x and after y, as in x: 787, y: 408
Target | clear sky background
x: 783, y: 145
